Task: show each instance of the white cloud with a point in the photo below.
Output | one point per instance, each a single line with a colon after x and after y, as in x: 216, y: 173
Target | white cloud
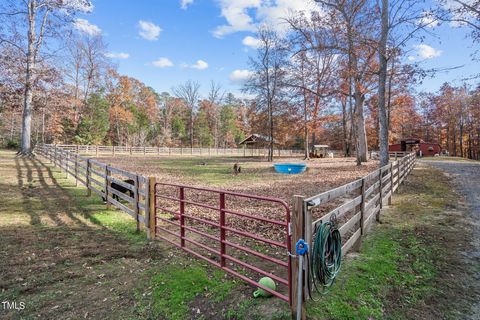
x: 149, y: 30
x: 84, y: 26
x: 200, y: 65
x: 427, y: 52
x: 117, y: 55
x: 238, y: 19
x: 246, y: 15
x: 163, y: 63
x: 185, y: 3
x: 252, y: 42
x: 240, y: 76
x: 411, y: 58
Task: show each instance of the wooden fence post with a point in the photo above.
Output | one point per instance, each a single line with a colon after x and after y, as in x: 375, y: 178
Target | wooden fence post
x: 151, y: 208
x: 76, y: 169
x: 55, y: 157
x: 400, y: 173
x: 67, y: 165
x: 88, y: 174
x: 362, y: 208
x: 297, y: 233
x: 308, y: 234
x: 381, y: 196
x: 137, y: 200
x: 391, y: 185
x: 113, y: 151
x: 107, y: 174
x: 96, y: 150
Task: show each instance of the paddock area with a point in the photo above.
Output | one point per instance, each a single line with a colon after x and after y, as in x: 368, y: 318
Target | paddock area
x: 257, y: 175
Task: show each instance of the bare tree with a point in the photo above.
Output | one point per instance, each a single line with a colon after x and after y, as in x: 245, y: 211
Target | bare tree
x: 463, y: 12
x: 312, y: 72
x: 30, y: 23
x: 267, y: 82
x: 189, y: 92
x: 95, y: 65
x: 352, y: 23
x: 86, y: 67
x: 215, y: 98
x: 407, y: 19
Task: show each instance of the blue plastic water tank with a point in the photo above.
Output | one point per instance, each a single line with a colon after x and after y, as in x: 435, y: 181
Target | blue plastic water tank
x: 290, y: 168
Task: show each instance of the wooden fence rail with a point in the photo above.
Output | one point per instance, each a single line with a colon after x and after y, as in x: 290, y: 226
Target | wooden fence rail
x: 354, y: 207
x: 156, y: 151
x: 99, y: 177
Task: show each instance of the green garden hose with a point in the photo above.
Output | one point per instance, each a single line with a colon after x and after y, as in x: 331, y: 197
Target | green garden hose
x: 326, y: 257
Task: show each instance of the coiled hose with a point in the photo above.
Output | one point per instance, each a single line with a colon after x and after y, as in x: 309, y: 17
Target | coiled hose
x: 326, y: 257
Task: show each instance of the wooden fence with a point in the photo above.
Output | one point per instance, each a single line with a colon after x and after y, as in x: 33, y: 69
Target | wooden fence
x: 99, y: 177
x: 354, y: 207
x: 178, y: 151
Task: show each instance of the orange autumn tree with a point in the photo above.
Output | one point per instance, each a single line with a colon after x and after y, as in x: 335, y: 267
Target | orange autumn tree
x: 134, y: 113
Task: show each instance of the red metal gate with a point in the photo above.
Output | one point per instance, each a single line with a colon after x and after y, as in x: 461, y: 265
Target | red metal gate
x: 245, y: 235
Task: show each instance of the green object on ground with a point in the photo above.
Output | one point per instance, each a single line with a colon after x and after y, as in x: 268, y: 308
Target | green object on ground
x: 266, y: 282
x: 326, y: 256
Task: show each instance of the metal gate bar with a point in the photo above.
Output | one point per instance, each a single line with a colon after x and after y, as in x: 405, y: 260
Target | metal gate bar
x: 177, y: 226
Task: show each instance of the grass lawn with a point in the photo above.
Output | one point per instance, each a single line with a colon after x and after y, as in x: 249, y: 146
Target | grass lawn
x: 409, y: 266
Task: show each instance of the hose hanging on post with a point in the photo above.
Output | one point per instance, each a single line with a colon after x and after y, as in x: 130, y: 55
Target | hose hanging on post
x: 326, y: 257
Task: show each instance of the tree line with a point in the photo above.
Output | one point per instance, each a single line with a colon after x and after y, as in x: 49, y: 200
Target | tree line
x: 338, y: 76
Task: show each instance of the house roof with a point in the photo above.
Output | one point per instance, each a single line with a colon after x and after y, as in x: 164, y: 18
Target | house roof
x: 254, y: 138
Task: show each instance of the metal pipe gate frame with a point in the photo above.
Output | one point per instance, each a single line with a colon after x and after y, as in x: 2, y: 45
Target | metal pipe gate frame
x: 221, y: 231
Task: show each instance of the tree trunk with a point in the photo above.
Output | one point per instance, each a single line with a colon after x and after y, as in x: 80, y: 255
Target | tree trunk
x: 344, y: 127
x: 305, y: 119
x: 191, y: 129
x: 12, y: 125
x: 26, y: 147
x: 454, y: 137
x: 270, y: 150
x: 360, y: 132
x: 43, y: 126
x: 461, y: 139
x: 382, y: 78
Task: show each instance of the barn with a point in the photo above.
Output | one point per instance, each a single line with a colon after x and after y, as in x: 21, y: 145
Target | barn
x: 417, y: 145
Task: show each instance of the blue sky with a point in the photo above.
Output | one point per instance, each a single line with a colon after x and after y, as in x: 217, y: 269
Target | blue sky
x: 166, y: 42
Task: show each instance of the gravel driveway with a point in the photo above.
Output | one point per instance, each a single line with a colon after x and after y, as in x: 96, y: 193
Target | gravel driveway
x: 466, y: 179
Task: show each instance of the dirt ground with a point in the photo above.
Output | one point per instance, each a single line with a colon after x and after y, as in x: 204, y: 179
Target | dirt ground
x: 466, y: 180
x: 257, y: 177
